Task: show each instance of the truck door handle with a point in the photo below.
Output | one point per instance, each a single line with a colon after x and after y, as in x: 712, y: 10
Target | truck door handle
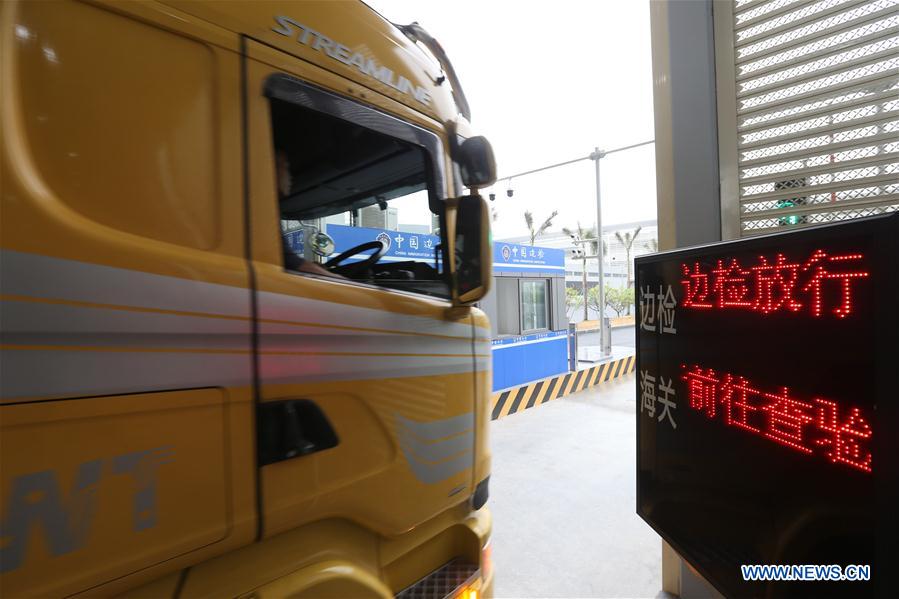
x: 291, y: 428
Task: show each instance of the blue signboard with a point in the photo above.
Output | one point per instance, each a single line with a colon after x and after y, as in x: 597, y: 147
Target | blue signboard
x: 294, y: 241
x: 519, y: 257
x: 401, y: 245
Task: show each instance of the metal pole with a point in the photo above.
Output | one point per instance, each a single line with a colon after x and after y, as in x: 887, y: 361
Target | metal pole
x: 543, y: 168
x: 622, y: 148
x: 596, y: 156
x: 584, y: 274
x: 567, y: 162
x: 572, y: 346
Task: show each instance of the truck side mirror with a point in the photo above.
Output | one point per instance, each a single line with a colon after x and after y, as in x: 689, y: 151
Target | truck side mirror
x: 477, y: 166
x: 470, y: 251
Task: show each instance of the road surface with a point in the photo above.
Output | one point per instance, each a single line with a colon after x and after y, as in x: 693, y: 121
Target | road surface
x: 563, y: 496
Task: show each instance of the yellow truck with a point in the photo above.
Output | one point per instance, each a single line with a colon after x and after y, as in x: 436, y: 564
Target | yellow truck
x: 199, y: 398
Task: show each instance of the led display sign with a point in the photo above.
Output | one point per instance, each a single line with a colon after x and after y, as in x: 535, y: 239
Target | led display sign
x: 768, y: 405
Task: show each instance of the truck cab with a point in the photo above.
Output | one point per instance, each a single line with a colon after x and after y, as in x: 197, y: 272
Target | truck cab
x: 226, y: 371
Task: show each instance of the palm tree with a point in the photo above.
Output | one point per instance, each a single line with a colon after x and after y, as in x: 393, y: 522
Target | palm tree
x: 535, y: 233
x: 627, y: 240
x: 652, y: 245
x: 589, y: 249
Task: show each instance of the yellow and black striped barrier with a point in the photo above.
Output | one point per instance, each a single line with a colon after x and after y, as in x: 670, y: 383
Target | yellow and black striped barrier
x: 535, y: 393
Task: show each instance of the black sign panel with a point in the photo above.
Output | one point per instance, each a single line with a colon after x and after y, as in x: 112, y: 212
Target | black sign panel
x: 768, y: 407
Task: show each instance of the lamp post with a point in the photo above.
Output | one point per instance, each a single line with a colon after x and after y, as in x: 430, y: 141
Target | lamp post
x: 596, y: 155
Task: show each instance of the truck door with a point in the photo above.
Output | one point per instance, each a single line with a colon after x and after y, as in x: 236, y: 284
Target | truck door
x: 366, y: 380
x: 126, y: 386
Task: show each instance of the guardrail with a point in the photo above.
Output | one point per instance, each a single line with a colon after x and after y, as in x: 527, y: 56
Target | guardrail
x: 535, y: 393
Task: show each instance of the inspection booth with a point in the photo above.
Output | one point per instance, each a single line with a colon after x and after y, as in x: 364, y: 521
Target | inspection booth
x: 527, y: 314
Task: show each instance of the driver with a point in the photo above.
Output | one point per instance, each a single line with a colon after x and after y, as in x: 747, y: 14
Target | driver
x: 291, y: 260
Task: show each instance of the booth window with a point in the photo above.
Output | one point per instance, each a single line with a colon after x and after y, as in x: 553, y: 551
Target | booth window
x: 534, y: 305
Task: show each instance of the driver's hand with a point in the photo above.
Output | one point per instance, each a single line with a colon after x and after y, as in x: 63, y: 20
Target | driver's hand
x: 316, y: 269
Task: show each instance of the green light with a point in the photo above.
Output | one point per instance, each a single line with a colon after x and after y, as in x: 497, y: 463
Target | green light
x: 793, y: 219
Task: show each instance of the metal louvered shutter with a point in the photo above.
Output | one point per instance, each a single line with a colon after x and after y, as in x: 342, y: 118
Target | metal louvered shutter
x: 817, y: 111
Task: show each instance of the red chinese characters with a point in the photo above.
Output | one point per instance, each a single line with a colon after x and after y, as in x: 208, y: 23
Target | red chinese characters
x: 696, y: 287
x: 822, y: 266
x: 702, y: 390
x: 777, y: 284
x: 819, y: 427
x: 846, y: 435
x: 740, y: 401
x: 786, y: 420
x: 730, y: 285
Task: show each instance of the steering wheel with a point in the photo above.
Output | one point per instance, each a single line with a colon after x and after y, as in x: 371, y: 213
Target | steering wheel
x: 356, y: 268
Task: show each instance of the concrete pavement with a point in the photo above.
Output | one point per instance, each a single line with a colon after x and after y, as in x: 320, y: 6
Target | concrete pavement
x: 562, y: 492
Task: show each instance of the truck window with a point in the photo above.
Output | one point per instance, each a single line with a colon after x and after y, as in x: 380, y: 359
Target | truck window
x: 357, y: 186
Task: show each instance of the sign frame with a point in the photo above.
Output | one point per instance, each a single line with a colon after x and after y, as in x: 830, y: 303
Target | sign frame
x: 885, y: 446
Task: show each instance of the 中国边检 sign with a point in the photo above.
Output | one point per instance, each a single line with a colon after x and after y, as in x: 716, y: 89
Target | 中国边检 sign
x: 401, y: 245
x: 519, y: 257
